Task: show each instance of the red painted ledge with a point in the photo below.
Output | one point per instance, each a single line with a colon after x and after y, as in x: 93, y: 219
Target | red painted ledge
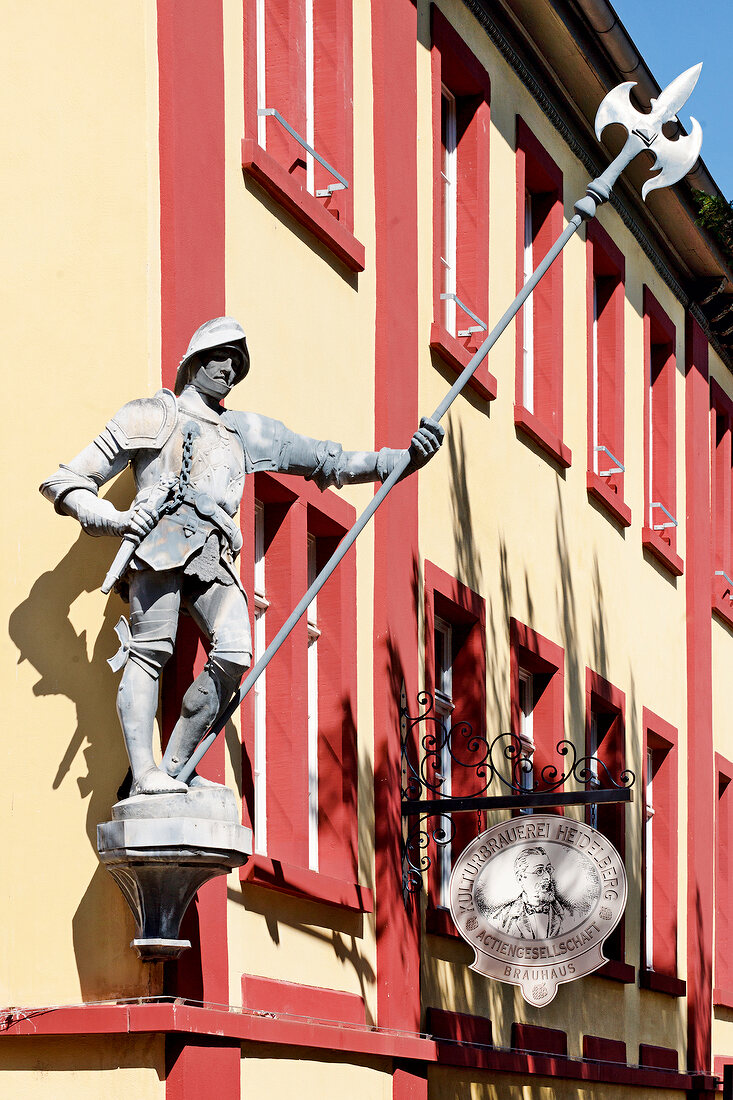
x: 551, y: 444
x: 722, y: 600
x: 662, y: 551
x: 304, y: 883
x: 168, y: 1017
x: 457, y: 357
x: 722, y: 998
x: 600, y: 490
x: 662, y: 983
x: 309, y: 1001
x: 616, y: 971
x: 303, y: 206
x: 439, y: 922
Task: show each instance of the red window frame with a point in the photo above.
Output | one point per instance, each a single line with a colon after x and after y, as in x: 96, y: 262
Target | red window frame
x: 294, y: 508
x: 721, y: 501
x: 280, y: 168
x: 455, y: 67
x: 545, y: 660
x: 661, y: 738
x: 608, y: 705
x: 723, y: 974
x: 465, y: 611
x: 539, y: 176
x: 605, y: 296
x: 660, y: 434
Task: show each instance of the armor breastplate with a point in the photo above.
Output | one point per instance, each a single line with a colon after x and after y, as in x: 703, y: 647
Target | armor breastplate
x: 217, y: 467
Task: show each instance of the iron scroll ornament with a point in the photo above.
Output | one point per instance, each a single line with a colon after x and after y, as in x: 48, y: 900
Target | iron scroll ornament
x: 503, y: 764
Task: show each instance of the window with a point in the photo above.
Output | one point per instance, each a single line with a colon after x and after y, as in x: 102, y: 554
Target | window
x: 605, y: 311
x: 659, y: 889
x: 461, y: 96
x: 455, y: 674
x: 605, y: 736
x: 721, y: 500
x: 659, y: 533
x: 299, y: 114
x: 538, y: 409
x: 723, y: 975
x: 299, y: 731
x: 537, y: 702
x: 526, y: 731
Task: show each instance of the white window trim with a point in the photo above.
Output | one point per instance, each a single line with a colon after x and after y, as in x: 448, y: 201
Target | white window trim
x: 310, y: 126
x: 449, y: 177
x: 260, y: 700
x: 528, y: 310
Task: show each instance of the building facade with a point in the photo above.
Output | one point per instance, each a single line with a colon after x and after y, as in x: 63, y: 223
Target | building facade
x: 561, y: 570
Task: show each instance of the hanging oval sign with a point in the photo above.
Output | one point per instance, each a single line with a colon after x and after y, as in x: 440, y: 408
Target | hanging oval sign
x: 535, y: 898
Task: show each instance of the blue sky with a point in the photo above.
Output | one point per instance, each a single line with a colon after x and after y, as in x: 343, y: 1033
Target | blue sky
x: 672, y: 35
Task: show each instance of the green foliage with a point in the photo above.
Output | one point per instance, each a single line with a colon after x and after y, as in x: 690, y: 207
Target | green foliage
x: 716, y: 215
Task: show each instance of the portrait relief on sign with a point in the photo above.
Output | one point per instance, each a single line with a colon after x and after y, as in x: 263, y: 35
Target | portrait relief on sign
x: 535, y: 898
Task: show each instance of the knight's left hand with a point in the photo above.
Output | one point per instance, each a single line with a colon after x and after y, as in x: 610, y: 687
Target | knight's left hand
x: 425, y: 442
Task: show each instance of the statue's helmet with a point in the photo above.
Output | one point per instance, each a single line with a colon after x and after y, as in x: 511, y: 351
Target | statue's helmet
x: 213, y: 334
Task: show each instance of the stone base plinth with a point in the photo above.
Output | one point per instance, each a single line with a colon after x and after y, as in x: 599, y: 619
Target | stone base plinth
x: 161, y: 849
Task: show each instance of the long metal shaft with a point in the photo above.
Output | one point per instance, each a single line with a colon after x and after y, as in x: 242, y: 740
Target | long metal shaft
x: 350, y: 538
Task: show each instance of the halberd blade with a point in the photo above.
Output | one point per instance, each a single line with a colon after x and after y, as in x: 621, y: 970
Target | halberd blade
x: 674, y: 96
x: 675, y: 158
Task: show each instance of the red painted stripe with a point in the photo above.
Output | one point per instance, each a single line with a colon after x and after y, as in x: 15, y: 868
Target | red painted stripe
x: 192, y: 229
x: 701, y: 792
x: 191, y: 77
x: 394, y: 37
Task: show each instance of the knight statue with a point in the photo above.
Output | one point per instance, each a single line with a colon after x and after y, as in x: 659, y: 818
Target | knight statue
x: 189, y: 457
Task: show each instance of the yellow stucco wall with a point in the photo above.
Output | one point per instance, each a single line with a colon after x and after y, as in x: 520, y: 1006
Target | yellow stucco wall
x: 82, y: 331
x: 83, y: 1067
x: 279, y: 1072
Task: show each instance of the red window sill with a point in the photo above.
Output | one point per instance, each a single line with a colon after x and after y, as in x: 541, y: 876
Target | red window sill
x: 600, y: 490
x: 617, y: 971
x: 457, y: 357
x: 550, y: 443
x: 722, y: 998
x: 662, y: 983
x: 662, y: 551
x: 722, y: 601
x: 303, y: 206
x: 439, y: 922
x: 304, y: 883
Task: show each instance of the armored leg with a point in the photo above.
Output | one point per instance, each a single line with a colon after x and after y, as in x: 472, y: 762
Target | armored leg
x: 221, y: 614
x: 154, y: 605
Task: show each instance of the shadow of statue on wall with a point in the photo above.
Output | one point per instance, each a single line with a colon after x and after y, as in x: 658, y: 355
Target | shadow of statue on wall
x: 42, y: 629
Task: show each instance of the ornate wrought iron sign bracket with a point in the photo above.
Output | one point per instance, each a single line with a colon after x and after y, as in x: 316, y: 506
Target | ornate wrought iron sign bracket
x: 435, y: 754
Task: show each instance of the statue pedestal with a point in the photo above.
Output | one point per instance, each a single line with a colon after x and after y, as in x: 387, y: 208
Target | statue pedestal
x: 160, y: 849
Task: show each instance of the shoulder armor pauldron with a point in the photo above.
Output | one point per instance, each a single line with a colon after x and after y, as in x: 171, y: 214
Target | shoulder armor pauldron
x: 145, y: 423
x: 263, y: 439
